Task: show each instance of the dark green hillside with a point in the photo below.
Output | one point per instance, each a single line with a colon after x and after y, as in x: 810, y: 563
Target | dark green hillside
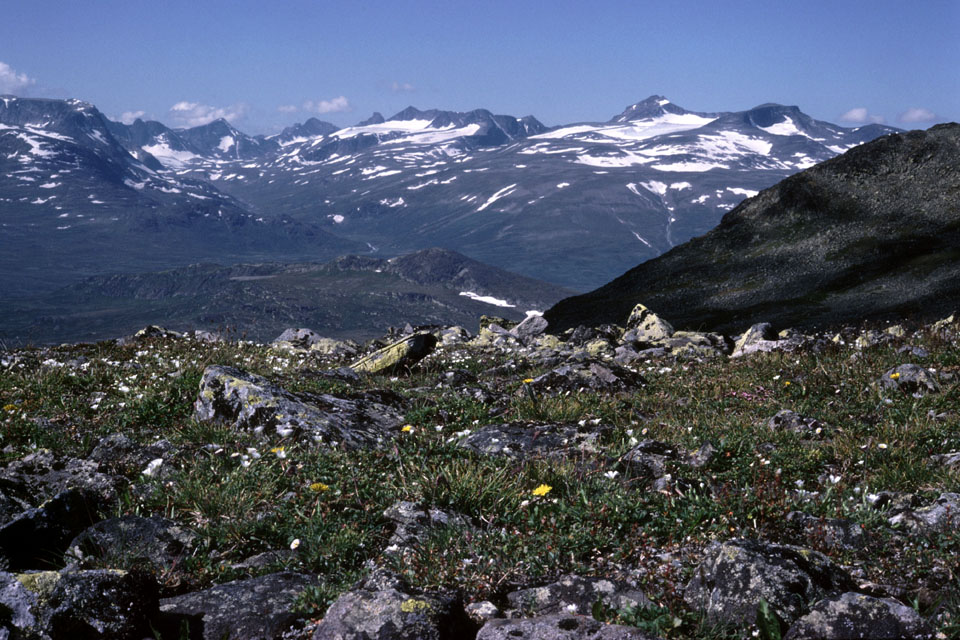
x: 350, y: 297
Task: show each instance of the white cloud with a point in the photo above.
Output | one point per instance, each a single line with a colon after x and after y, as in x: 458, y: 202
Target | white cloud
x: 288, y: 108
x: 11, y: 81
x: 861, y: 115
x: 194, y: 114
x: 917, y: 114
x: 127, y: 117
x: 402, y: 87
x: 334, y: 105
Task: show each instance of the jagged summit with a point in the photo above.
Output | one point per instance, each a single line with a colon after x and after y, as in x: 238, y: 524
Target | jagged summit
x: 376, y: 118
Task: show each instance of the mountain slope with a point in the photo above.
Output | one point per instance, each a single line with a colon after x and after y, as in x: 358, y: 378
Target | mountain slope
x: 350, y: 297
x: 870, y: 234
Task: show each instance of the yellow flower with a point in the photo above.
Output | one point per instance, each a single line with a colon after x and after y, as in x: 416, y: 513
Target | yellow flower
x: 895, y: 375
x: 527, y: 380
x: 407, y: 428
x: 319, y: 487
x: 276, y: 450
x: 9, y: 408
x: 542, y: 490
x: 787, y: 383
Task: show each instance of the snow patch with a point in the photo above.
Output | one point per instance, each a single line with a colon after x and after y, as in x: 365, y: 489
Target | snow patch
x: 170, y: 158
x: 487, y: 299
x: 658, y: 188
x: 507, y: 190
x: 742, y: 192
x: 563, y: 185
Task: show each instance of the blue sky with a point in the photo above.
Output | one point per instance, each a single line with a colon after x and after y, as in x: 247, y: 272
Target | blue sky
x: 268, y: 64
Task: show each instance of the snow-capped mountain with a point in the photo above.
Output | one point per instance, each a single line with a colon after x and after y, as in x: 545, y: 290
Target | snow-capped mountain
x: 575, y: 205
x: 74, y: 201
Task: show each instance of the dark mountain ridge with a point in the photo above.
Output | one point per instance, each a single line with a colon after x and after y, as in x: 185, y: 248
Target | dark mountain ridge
x: 871, y: 234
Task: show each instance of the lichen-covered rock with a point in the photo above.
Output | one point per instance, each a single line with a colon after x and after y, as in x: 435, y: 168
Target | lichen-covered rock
x: 532, y: 327
x: 648, y: 458
x: 480, y: 612
x: 18, y: 608
x: 297, y: 338
x: 414, y: 522
x: 400, y: 355
x: 787, y: 420
x: 521, y: 441
x: 130, y: 541
x: 831, y: 533
x: 734, y: 576
x: 118, y: 454
x: 114, y: 605
x: 450, y: 336
x: 390, y: 614
x: 693, y: 344
x: 759, y: 338
x: 147, y: 333
x: 855, y: 615
x: 578, y: 595
x: 248, y: 401
x: 947, y: 460
x: 702, y: 456
x: 589, y: 375
x: 558, y: 627
x: 42, y: 475
x: 647, y: 326
x: 337, y: 348
x: 910, y: 378
x: 942, y: 515
x: 254, y: 608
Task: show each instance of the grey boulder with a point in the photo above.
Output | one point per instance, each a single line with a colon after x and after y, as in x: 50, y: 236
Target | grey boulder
x: 911, y: 379
x: 391, y: 614
x: 578, y: 595
x: 855, y: 615
x: 521, y: 441
x: 132, y: 540
x: 261, y: 608
x: 248, y: 401
x: 558, y: 627
x: 735, y: 575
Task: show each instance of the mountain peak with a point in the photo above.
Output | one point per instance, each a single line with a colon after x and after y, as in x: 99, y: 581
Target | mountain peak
x: 653, y: 107
x: 376, y: 118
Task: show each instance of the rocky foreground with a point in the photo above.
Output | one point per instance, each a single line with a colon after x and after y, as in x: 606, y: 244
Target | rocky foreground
x: 608, y: 482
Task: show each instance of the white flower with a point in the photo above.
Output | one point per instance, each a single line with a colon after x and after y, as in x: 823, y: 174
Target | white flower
x: 834, y: 479
x: 295, y: 543
x: 611, y: 474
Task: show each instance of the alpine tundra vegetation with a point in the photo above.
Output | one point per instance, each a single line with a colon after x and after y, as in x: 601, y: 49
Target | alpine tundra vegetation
x: 610, y: 482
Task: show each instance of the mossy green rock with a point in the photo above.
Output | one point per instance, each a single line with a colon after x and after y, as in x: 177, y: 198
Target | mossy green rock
x: 398, y: 356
